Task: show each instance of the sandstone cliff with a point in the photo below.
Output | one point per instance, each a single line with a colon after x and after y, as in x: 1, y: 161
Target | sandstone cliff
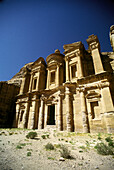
x: 8, y: 92
x: 16, y: 79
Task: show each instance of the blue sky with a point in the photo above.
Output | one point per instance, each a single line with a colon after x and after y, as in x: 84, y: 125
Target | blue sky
x: 35, y: 28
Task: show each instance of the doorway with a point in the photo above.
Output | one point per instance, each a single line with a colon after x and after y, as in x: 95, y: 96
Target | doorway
x: 93, y: 106
x: 51, y: 115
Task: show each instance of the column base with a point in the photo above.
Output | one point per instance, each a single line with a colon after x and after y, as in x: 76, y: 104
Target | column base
x: 85, y: 129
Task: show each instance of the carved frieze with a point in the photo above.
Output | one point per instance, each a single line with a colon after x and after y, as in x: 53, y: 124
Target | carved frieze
x: 94, y: 46
x: 95, y: 85
x: 23, y: 99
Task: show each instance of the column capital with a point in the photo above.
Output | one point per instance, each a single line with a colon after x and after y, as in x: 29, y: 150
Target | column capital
x: 67, y: 89
x: 93, y: 42
x: 32, y: 73
x: 69, y: 94
x: 24, y: 75
x: 35, y: 97
x: 26, y: 71
x: 43, y: 98
x: 79, y: 53
x: 103, y: 84
x: 81, y: 89
x: 67, y: 58
x: 60, y: 96
x: 59, y: 64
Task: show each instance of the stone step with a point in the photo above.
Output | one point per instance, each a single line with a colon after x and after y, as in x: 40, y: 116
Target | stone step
x: 50, y: 127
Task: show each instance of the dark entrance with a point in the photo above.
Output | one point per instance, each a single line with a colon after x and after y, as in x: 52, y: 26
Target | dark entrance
x: 93, y: 105
x: 51, y: 115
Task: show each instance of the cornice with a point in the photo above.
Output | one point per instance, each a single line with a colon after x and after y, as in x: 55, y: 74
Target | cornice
x: 72, y: 47
x: 95, y: 85
x: 94, y: 78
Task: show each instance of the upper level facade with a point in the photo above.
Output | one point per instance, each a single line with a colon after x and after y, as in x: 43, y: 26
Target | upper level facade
x: 76, y: 63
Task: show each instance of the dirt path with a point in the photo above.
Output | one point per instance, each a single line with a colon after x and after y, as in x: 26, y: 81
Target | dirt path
x: 17, y: 152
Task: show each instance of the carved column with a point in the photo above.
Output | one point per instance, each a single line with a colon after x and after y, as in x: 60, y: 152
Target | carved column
x: 25, y: 115
x: 38, y: 79
x: 41, y: 114
x: 84, y: 112
x: 46, y: 115
x: 107, y: 106
x: 94, y: 46
x: 36, y: 114
x: 59, y: 108
x: 67, y: 70
x: 47, y: 86
x: 57, y: 75
x: 33, y: 115
x: 31, y: 82
x: 48, y: 79
x: 80, y: 69
x: 68, y: 110
x: 107, y: 103
x: 17, y: 114
x: 23, y: 84
x: 112, y: 36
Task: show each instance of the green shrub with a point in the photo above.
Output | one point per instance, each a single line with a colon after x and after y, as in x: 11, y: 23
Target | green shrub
x: 51, y: 158
x: 104, y: 149
x: 87, y: 144
x: 73, y: 143
x: 11, y: 133
x: 31, y: 135
x: 62, y: 139
x: 28, y: 153
x: 22, y: 144
x: 3, y: 133
x: 19, y: 147
x: 99, y: 136
x: 49, y: 146
x: 65, y: 153
x: 110, y: 141
x: 82, y: 147
x: 80, y: 151
x: 57, y: 145
x: 43, y: 136
x: 47, y: 136
x: 29, y: 149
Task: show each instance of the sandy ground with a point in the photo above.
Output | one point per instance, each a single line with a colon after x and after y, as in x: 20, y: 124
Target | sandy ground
x: 81, y: 147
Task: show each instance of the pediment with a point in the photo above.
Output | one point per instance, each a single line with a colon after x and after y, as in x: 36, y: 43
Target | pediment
x: 38, y: 62
x: 93, y: 94
x: 73, y: 46
x: 52, y: 63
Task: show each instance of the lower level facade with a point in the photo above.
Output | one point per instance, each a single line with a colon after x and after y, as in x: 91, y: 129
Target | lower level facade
x: 83, y: 109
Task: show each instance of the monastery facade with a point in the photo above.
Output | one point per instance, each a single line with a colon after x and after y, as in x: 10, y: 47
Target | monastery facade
x: 72, y: 92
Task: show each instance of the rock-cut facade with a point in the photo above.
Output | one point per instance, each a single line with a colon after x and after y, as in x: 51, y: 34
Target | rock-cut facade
x: 73, y: 91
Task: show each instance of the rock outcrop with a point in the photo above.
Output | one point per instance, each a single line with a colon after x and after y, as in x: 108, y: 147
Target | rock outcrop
x: 16, y: 79
x: 8, y: 92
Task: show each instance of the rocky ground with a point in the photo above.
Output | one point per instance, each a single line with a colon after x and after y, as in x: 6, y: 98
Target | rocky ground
x: 17, y: 152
